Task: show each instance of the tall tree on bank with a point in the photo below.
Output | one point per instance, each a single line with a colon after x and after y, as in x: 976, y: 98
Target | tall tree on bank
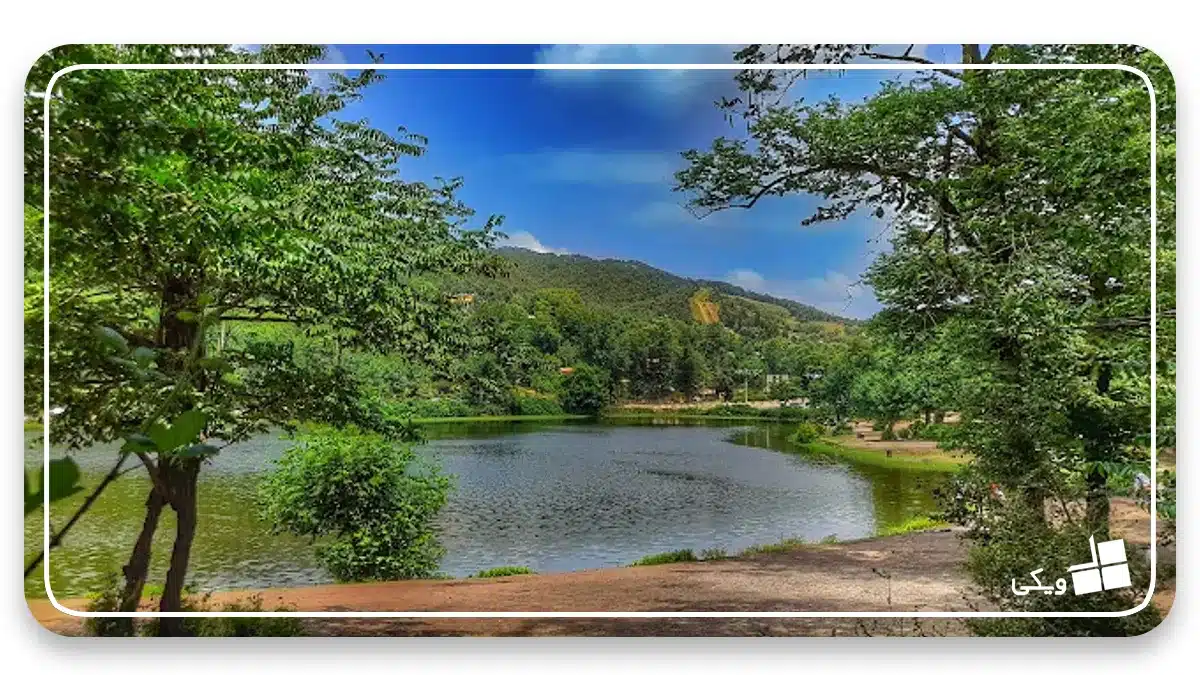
x: 1019, y: 206
x: 184, y: 199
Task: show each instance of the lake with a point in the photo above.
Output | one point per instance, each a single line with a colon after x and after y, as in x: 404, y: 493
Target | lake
x: 550, y: 496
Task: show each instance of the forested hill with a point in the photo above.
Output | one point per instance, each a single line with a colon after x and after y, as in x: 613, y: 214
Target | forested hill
x: 632, y: 286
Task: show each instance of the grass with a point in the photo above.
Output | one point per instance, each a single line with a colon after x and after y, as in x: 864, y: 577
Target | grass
x: 682, y: 555
x: 33, y: 425
x: 915, y: 524
x: 789, y: 544
x: 713, y: 554
x: 831, y: 448
x: 505, y: 571
x: 673, y: 416
x: 497, y: 418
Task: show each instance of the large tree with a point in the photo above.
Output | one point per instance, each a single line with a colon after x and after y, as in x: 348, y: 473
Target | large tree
x: 182, y: 200
x: 1019, y: 207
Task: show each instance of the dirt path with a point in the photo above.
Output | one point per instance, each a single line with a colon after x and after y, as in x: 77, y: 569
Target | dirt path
x: 920, y: 571
x: 924, y: 568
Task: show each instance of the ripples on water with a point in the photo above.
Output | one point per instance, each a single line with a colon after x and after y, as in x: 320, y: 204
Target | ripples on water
x: 552, y: 497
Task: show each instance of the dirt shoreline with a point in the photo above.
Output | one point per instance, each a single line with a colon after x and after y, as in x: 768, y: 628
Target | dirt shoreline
x: 920, y: 571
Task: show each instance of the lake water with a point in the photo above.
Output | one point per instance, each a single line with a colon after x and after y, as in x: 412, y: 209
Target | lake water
x: 553, y: 497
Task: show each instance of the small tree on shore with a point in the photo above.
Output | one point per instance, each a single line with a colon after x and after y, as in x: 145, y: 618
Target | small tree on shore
x: 365, y: 498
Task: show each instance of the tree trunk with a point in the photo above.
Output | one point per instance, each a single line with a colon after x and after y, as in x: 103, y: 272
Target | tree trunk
x: 138, y: 567
x: 1097, y: 503
x: 180, y: 476
x: 1098, y: 447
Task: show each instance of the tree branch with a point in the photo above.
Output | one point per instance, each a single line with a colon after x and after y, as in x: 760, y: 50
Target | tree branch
x: 111, y: 476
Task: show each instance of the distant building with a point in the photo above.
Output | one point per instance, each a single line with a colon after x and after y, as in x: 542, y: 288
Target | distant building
x: 776, y: 378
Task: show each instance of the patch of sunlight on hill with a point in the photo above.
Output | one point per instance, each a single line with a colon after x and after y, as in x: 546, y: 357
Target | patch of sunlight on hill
x: 704, y: 310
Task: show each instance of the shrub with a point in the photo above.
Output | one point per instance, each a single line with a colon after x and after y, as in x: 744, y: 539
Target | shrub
x: 932, y: 432
x: 108, y: 601
x: 793, y: 414
x: 1018, y: 541
x: 242, y: 626
x: 713, y: 554
x: 682, y: 555
x: 916, y: 524
x: 585, y: 391
x: 536, y: 405
x: 441, y: 407
x: 365, y: 497
x: 780, y: 546
x: 806, y: 432
x: 507, y: 571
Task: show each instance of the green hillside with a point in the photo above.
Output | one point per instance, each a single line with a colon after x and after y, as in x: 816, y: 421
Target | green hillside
x: 635, y: 287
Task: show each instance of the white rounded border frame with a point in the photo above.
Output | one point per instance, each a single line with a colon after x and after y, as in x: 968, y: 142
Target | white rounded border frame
x: 621, y: 66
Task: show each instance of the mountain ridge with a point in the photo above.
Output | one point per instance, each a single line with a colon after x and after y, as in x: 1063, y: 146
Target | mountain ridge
x: 636, y: 286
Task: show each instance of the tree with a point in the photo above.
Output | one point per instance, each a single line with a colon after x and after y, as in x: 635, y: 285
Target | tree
x: 365, y: 494
x: 182, y: 200
x: 1019, y: 206
x: 885, y: 392
x: 586, y: 391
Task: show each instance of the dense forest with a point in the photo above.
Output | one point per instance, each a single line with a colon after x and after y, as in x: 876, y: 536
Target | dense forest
x: 544, y: 334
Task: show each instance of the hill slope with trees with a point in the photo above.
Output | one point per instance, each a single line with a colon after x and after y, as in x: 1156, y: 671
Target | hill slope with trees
x: 634, y: 287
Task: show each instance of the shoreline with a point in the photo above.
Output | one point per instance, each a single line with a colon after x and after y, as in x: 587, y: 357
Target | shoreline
x: 499, y: 418
x: 925, y: 570
x: 789, y: 577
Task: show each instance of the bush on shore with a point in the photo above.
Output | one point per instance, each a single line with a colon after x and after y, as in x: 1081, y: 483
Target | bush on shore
x: 682, y: 555
x: 365, y: 497
x: 505, y: 571
x: 108, y: 600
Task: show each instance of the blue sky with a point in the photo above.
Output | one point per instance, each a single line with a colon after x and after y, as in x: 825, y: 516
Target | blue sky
x: 582, y: 162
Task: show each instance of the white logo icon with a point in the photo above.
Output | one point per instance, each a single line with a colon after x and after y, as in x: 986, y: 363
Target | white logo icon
x: 1107, y: 570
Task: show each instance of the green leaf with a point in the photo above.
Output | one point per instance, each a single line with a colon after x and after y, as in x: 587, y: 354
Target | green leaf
x: 112, y: 339
x: 184, y: 429
x: 144, y: 356
x: 64, y: 482
x: 138, y: 443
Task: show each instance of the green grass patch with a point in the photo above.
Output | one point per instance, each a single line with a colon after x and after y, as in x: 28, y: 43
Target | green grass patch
x: 789, y: 544
x: 682, y: 555
x: 831, y: 448
x: 673, y: 416
x: 916, y: 524
x: 506, y: 571
x: 497, y: 418
x: 33, y: 425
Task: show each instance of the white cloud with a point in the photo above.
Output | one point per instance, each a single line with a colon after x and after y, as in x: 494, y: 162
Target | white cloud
x: 836, y: 292
x: 747, y: 279
x: 595, y: 166
x: 652, y: 87
x: 524, y: 239
x: 635, y: 54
